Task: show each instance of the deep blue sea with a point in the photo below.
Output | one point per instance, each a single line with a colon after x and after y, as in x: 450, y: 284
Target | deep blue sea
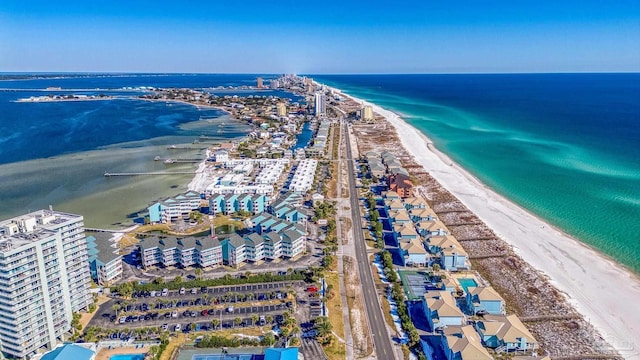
x: 564, y: 146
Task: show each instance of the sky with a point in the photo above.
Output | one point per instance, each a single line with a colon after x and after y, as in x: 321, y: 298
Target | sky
x: 317, y: 37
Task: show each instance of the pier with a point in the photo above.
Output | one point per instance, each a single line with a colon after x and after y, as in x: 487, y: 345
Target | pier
x: 109, y: 174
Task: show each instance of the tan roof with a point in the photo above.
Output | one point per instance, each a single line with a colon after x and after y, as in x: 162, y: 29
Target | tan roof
x: 413, y: 247
x: 443, y: 241
x: 444, y: 304
x: 454, y: 249
x: 433, y: 225
x: 401, y: 215
x: 416, y: 202
x: 507, y: 328
x: 423, y: 213
x: 391, y: 194
x: 485, y: 293
x: 466, y: 342
x: 405, y: 229
x: 395, y: 204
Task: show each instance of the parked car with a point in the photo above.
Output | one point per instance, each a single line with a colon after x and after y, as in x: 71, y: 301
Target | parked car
x: 165, y: 292
x: 178, y: 327
x: 230, y: 309
x: 182, y: 291
x: 194, y: 291
x: 174, y: 314
x: 165, y: 327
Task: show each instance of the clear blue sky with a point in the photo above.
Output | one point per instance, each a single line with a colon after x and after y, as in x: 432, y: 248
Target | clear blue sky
x: 428, y: 36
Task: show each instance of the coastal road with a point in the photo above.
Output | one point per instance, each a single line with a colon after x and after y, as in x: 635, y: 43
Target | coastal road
x: 382, y: 342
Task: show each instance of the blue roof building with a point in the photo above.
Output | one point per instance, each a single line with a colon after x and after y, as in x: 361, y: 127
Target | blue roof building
x: 281, y: 354
x: 70, y: 352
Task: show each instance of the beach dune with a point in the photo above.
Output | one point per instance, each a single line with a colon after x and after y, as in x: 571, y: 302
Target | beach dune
x: 603, y: 291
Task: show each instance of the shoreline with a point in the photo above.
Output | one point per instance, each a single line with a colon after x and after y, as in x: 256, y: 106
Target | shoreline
x: 554, y: 253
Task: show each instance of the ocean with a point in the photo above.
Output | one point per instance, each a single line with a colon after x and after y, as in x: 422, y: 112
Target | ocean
x: 56, y: 153
x: 564, y: 146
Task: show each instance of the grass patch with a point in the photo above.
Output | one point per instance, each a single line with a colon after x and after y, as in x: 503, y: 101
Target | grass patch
x: 384, y: 303
x: 337, y: 349
x: 173, y: 346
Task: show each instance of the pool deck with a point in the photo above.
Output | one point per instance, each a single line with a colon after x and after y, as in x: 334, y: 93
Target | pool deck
x: 106, y: 353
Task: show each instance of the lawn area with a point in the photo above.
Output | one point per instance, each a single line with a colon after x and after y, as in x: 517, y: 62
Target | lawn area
x: 337, y: 349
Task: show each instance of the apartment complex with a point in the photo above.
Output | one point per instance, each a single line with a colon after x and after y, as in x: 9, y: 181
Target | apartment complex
x: 44, y: 278
x: 175, y: 251
x: 105, y: 261
x: 174, y: 208
x: 230, y: 203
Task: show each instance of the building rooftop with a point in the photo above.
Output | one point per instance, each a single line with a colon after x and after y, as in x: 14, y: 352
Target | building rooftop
x: 169, y: 242
x: 35, y: 226
x: 104, y: 249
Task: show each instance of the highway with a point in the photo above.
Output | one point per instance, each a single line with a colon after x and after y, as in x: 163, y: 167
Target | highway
x: 382, y: 342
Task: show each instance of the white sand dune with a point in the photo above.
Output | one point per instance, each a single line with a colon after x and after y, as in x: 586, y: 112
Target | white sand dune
x: 607, y: 294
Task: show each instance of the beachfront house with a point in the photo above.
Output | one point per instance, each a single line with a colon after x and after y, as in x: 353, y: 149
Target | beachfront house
x: 415, y: 203
x: 221, y: 156
x: 441, y: 310
x: 399, y: 216
x: 484, y: 299
x: 401, y: 184
x: 451, y: 255
x: 404, y: 232
x: 506, y: 333
x: 422, y: 214
x: 414, y: 253
x: 455, y: 343
x: 431, y: 228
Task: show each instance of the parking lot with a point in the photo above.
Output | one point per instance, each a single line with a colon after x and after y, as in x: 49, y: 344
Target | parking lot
x: 225, y: 304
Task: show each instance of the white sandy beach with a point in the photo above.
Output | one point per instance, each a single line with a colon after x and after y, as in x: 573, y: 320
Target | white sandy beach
x: 600, y: 289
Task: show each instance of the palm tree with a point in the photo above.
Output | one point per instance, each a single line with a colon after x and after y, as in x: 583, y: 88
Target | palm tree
x: 254, y: 319
x: 237, y: 321
x: 269, y: 319
x: 115, y: 308
x: 215, y: 323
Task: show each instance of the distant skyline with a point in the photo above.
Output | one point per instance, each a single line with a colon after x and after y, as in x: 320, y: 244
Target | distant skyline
x: 320, y: 37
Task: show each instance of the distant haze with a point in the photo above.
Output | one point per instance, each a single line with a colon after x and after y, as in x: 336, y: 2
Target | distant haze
x: 320, y: 37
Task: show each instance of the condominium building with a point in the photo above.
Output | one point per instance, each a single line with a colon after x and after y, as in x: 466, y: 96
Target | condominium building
x: 105, y: 261
x: 282, y: 109
x: 367, y: 113
x: 303, y: 177
x: 174, y: 208
x: 44, y: 278
x: 230, y: 203
x: 174, y: 251
x: 320, y: 102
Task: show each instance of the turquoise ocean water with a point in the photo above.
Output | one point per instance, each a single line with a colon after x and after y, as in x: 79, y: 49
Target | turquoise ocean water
x: 564, y: 146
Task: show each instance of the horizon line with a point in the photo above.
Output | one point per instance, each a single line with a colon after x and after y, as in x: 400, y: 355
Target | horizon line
x: 310, y: 74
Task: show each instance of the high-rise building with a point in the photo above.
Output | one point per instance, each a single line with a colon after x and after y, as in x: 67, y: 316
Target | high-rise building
x: 274, y: 84
x: 282, y: 109
x: 320, y: 104
x: 259, y: 83
x: 367, y: 113
x: 44, y: 278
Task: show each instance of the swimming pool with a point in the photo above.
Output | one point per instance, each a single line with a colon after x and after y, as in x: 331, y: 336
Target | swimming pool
x: 466, y: 283
x: 127, y: 357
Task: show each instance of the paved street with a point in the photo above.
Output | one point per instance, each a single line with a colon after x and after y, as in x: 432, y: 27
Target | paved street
x: 382, y: 341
